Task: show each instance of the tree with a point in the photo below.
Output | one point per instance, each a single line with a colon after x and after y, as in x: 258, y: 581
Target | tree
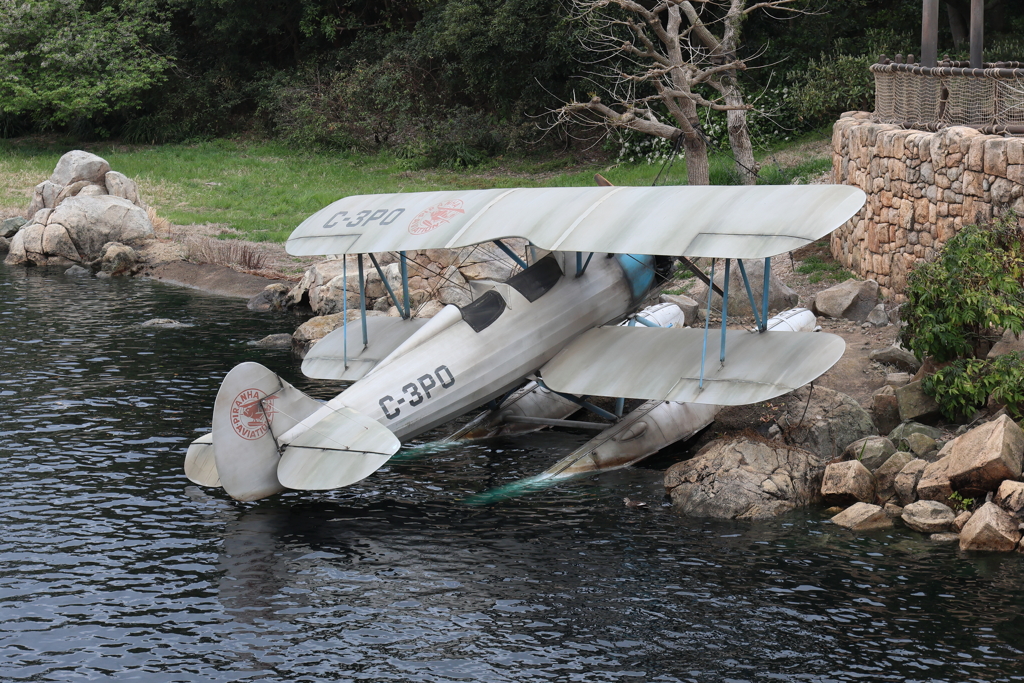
x: 65, y: 59
x: 662, y: 61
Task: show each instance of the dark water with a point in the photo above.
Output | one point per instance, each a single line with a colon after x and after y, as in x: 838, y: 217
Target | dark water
x: 115, y: 567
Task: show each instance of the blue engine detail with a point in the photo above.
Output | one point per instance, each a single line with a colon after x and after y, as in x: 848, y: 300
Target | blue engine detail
x: 639, y: 272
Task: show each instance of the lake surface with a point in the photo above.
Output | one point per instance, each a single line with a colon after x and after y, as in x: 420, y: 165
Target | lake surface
x: 114, y: 566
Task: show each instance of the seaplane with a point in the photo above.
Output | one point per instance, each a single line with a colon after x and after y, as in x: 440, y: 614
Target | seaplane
x: 570, y: 325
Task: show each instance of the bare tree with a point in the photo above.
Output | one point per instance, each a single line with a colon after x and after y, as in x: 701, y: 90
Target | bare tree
x: 674, y: 56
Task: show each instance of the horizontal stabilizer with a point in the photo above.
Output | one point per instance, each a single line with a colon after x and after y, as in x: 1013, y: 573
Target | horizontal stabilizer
x: 327, y: 358
x: 337, y: 450
x: 200, y: 466
x: 738, y: 221
x: 665, y: 364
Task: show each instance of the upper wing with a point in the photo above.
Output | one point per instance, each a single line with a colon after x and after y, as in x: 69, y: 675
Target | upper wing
x: 665, y: 364
x: 700, y: 221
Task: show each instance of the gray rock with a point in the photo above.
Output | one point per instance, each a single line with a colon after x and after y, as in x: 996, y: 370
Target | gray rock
x: 898, y: 379
x: 921, y: 444
x: 686, y: 304
x: 44, y: 196
x: 118, y: 259
x: 982, y: 458
x: 167, y: 323
x: 10, y: 226
x: 120, y: 185
x: 905, y: 483
x: 281, y: 341
x: 273, y: 298
x: 899, y: 435
x: 780, y: 296
x: 872, y: 451
x: 1009, y: 343
x: 897, y: 357
x: 78, y: 271
x: 847, y: 482
x: 428, y: 309
x: 878, y: 317
x: 863, y: 517
x: 893, y: 510
x: 78, y: 165
x: 928, y: 516
x: 455, y: 289
x: 5, y: 245
x: 885, y: 410
x: 826, y: 424
x: 947, y: 537
x: 961, y: 520
x: 852, y: 299
x: 990, y: 529
x: 885, y: 475
x: 914, y: 403
x: 744, y: 479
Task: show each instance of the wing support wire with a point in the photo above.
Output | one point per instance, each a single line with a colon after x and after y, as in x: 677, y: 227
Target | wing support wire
x: 344, y: 312
x: 362, y: 300
x: 511, y: 254
x: 600, y: 412
x: 707, y: 324
x: 405, y: 285
x: 750, y: 294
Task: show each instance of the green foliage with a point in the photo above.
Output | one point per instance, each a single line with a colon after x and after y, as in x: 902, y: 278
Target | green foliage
x: 959, y: 304
x: 62, y: 60
x: 818, y: 269
x: 965, y: 385
x: 959, y: 503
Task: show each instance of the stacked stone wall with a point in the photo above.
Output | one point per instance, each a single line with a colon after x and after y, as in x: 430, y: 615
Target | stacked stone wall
x: 922, y: 188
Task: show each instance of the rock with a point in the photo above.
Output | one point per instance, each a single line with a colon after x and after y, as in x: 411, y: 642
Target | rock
x: 852, y: 299
x: 1009, y: 343
x: 335, y: 296
x: 744, y: 479
x: 982, y: 458
x: 885, y: 474
x: 847, y: 482
x: 831, y: 422
x: 928, y: 516
x: 914, y: 403
x: 961, y: 520
x: 898, y: 379
x: 455, y: 290
x: 44, y: 196
x: 878, y: 317
x: 78, y: 165
x: 273, y: 298
x: 118, y: 259
x: 885, y: 410
x: 162, y: 322
x: 429, y: 309
x: 990, y: 529
x: 274, y: 341
x: 78, y: 271
x: 91, y: 191
x: 893, y: 510
x: 5, y: 245
x: 10, y: 226
x: 897, y: 357
x: 905, y: 483
x: 947, y: 537
x: 120, y: 185
x: 486, y: 262
x: 315, y: 329
x: 686, y: 304
x: 307, y: 291
x: 934, y: 483
x: 1010, y: 497
x: 780, y: 296
x: 863, y: 517
x: 899, y: 435
x: 921, y: 444
x: 872, y: 451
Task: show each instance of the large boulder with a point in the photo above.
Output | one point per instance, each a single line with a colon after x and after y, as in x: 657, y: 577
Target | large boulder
x: 914, y: 404
x: 928, y: 516
x: 847, y: 482
x: 990, y: 529
x: 315, y: 329
x: 905, y: 483
x: 852, y: 299
x: 688, y: 306
x: 863, y: 517
x: 934, y: 483
x: 780, y: 297
x: 982, y: 458
x: 1010, y: 497
x: 78, y: 165
x: 872, y: 451
x: 744, y: 478
x: 77, y: 230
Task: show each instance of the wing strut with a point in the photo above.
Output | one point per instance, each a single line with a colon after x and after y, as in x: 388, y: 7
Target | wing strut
x: 391, y: 293
x: 362, y: 299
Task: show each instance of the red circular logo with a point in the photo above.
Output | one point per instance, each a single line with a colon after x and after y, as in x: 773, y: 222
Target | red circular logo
x: 435, y: 216
x: 252, y: 413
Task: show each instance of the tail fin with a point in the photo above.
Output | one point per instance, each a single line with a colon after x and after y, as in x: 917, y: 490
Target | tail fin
x: 200, y: 465
x: 254, y: 407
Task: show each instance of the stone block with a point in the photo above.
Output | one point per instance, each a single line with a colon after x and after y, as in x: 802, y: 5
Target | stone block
x: 985, y: 456
x: 1010, y: 497
x: 863, y: 517
x: 934, y: 482
x: 905, y: 483
x: 961, y: 520
x: 871, y: 451
x: 847, y: 482
x: 990, y: 529
x: 885, y: 474
x: 928, y: 516
x: 914, y: 403
x: 995, y: 156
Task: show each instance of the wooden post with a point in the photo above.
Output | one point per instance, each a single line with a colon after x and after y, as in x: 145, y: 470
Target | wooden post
x: 929, y: 32
x: 977, y: 32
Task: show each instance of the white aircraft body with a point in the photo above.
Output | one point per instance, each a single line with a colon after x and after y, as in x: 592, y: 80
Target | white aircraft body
x: 557, y: 322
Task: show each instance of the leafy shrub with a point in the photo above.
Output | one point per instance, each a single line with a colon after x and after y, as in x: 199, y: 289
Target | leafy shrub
x: 965, y: 385
x: 959, y: 304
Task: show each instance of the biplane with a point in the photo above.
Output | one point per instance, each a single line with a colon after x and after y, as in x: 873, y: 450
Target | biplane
x: 566, y: 327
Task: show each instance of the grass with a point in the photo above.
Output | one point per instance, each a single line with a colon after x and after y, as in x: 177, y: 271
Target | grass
x: 817, y: 269
x: 263, y: 190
